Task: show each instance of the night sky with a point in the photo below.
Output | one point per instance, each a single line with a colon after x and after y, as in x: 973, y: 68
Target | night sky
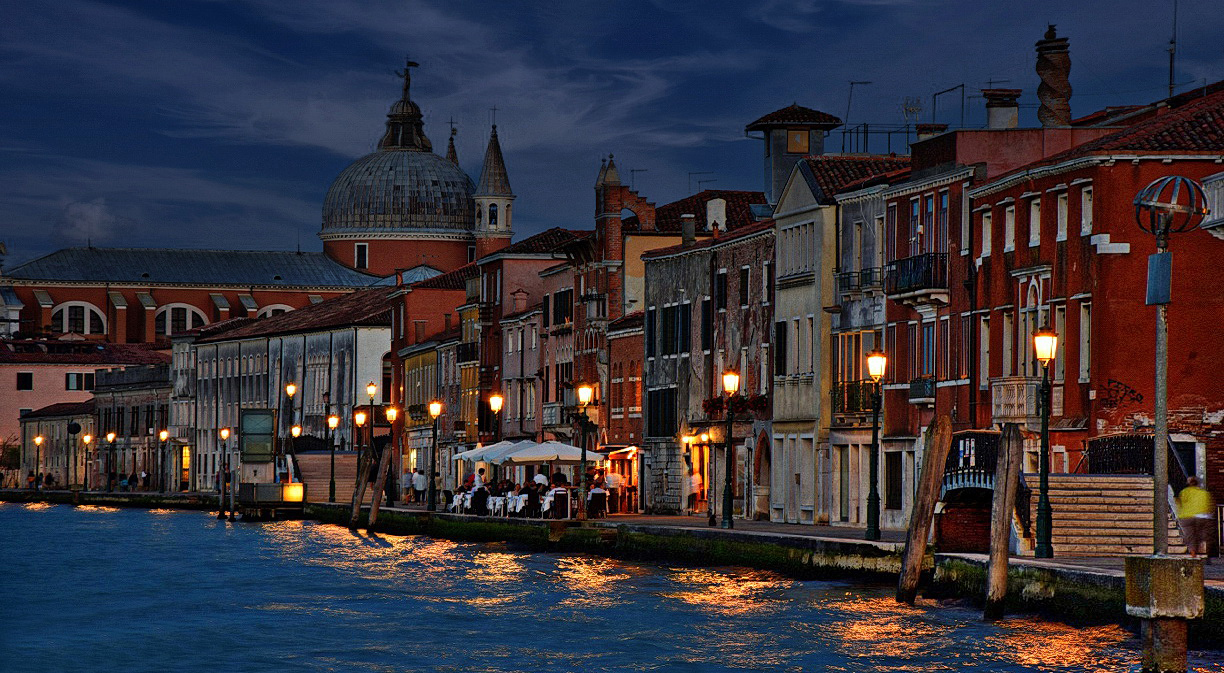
x: 221, y: 124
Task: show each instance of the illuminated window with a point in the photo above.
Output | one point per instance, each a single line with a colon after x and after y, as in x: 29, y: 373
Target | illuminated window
x: 797, y: 142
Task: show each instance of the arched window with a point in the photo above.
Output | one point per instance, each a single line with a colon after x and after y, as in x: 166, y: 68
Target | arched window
x: 77, y: 317
x: 178, y: 318
x: 493, y: 216
x: 273, y: 309
x: 479, y: 215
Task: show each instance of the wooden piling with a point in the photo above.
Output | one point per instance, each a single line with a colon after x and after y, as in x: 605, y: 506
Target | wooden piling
x: 363, y: 477
x: 935, y: 455
x: 380, y: 484
x: 1006, y: 483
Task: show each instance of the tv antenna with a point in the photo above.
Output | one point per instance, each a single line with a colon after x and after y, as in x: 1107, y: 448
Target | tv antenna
x: 850, y: 99
x: 911, y: 107
x: 690, y: 176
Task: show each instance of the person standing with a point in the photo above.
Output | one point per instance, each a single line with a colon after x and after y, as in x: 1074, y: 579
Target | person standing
x: 696, y: 484
x: 419, y: 484
x: 1194, y: 513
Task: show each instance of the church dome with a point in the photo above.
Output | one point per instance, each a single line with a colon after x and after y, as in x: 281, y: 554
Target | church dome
x: 398, y: 191
x: 403, y: 188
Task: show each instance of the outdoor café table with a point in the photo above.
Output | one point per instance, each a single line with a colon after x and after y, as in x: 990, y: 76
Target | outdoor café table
x: 497, y: 506
x: 517, y: 502
x: 457, y: 503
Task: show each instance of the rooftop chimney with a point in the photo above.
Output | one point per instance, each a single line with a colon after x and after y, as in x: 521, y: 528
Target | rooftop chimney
x: 716, y: 214
x: 688, y: 228
x: 929, y: 130
x: 1002, y: 110
x: 520, y: 301
x: 1054, y: 69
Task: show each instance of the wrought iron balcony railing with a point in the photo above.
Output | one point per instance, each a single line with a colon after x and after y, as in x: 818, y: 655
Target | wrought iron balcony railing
x: 928, y: 271
x: 922, y: 390
x: 852, y: 397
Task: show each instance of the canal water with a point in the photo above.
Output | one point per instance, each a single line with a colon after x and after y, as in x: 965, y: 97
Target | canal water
x: 102, y: 589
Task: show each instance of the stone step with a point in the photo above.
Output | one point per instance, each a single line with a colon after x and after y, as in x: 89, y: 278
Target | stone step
x: 1110, y: 500
x: 1144, y: 525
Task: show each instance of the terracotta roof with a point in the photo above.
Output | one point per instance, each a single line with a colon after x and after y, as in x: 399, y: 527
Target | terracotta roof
x: 85, y: 408
x: 1195, y: 125
x: 705, y: 243
x: 543, y: 242
x: 885, y: 178
x: 795, y: 115
x: 667, y: 216
x: 527, y: 311
x: 452, y: 280
x: 213, y: 328
x: 79, y: 352
x: 828, y: 174
x: 364, y: 307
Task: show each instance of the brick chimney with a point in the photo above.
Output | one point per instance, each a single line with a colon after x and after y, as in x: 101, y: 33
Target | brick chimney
x: 688, y: 229
x: 1054, y: 69
x: 1002, y: 108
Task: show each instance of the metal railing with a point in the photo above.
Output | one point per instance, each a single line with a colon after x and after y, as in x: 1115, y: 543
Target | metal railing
x: 852, y: 397
x: 871, y: 278
x: 972, y: 462
x: 1131, y: 454
x: 928, y: 271
x: 468, y: 351
x: 848, y: 281
x: 922, y: 388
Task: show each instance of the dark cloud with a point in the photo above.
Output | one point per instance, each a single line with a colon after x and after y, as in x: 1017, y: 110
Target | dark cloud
x: 198, y: 122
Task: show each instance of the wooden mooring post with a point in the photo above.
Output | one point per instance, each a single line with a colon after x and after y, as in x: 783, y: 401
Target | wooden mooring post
x: 1003, y: 504
x: 363, y: 477
x: 935, y: 456
x: 380, y: 484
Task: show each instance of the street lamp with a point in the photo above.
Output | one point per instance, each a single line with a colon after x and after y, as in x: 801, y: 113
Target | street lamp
x: 731, y: 384
x: 1169, y: 205
x: 163, y: 459
x: 496, y: 401
x: 291, y: 390
x: 333, y: 422
x: 392, y: 484
x: 586, y: 392
x: 110, y: 460
x: 38, y: 478
x: 86, y: 439
x: 359, y: 419
x: 224, y: 434
x: 877, y: 364
x: 1045, y: 345
x: 435, y: 410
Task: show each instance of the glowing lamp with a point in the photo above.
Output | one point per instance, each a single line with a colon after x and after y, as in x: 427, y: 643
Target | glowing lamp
x: 371, y: 389
x: 705, y: 438
x: 392, y: 414
x: 585, y: 392
x: 296, y: 431
x: 163, y: 435
x: 359, y: 418
x: 333, y: 421
x: 87, y: 439
x: 110, y: 437
x: 877, y: 364
x: 1045, y: 344
x: 731, y: 381
x: 495, y: 402
x: 290, y: 390
x: 435, y: 409
x: 225, y: 433
x: 293, y: 492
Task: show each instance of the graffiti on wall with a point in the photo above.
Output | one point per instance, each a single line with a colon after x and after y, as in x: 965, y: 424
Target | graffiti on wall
x: 1117, y: 393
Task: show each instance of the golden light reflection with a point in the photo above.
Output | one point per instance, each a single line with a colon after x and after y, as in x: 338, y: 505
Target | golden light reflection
x: 96, y: 508
x: 35, y: 506
x: 497, y: 568
x: 882, y: 627
x: 1037, y: 643
x: 718, y: 592
x: 589, y: 578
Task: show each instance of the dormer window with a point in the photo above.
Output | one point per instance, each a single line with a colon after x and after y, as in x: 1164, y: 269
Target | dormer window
x: 797, y: 142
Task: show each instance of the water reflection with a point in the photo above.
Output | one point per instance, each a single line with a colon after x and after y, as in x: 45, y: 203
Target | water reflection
x: 212, y: 595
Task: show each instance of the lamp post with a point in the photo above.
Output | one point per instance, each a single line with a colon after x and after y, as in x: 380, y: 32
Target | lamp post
x: 496, y: 401
x: 435, y: 410
x: 70, y: 457
x: 585, y: 393
x: 86, y: 439
x: 1045, y: 345
x: 224, y: 433
x: 877, y: 363
x: 290, y: 391
x: 393, y: 483
x: 332, y: 422
x: 731, y: 384
x: 38, y: 478
x: 222, y: 479
x: 359, y: 419
x: 1169, y: 205
x: 162, y: 477
x: 110, y: 460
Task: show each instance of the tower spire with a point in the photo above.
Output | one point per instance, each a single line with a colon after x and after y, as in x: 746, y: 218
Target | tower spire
x: 451, y: 155
x: 405, y: 126
x: 493, y: 178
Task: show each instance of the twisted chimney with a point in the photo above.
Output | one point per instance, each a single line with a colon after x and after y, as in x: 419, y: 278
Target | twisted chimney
x: 1054, y: 69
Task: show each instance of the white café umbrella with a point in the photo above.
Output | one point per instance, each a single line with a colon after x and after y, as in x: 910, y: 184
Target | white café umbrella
x: 489, y: 453
x: 548, y: 452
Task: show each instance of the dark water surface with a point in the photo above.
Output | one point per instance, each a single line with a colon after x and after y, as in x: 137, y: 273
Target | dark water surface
x: 102, y: 589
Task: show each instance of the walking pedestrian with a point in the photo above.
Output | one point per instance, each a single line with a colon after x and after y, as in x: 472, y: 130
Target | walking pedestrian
x: 696, y: 483
x: 419, y: 483
x: 1194, y: 513
x: 30, y: 480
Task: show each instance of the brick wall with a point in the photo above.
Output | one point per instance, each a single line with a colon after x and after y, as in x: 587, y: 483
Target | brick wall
x: 964, y: 527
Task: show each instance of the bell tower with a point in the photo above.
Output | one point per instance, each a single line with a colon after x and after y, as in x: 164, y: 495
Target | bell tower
x: 494, y: 201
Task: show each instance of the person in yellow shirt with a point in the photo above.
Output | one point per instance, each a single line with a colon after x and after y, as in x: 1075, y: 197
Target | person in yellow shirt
x: 1195, y: 512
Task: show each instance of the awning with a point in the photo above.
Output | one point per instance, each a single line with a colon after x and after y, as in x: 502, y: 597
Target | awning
x: 549, y: 452
x: 491, y: 453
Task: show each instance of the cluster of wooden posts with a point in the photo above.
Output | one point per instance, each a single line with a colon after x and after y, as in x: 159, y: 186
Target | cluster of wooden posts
x: 365, y: 464
x: 1007, y: 480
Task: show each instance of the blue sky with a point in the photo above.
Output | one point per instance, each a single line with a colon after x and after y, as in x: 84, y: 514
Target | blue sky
x: 220, y: 124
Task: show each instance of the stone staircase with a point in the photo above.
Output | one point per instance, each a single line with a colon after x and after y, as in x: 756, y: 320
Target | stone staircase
x: 1102, y: 514
x: 315, y: 469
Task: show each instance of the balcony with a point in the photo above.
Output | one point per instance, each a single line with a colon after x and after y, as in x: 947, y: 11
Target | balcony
x: 852, y: 397
x: 922, y: 390
x: 848, y: 282
x: 1015, y: 399
x: 554, y: 414
x: 468, y: 352
x: 919, y: 279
